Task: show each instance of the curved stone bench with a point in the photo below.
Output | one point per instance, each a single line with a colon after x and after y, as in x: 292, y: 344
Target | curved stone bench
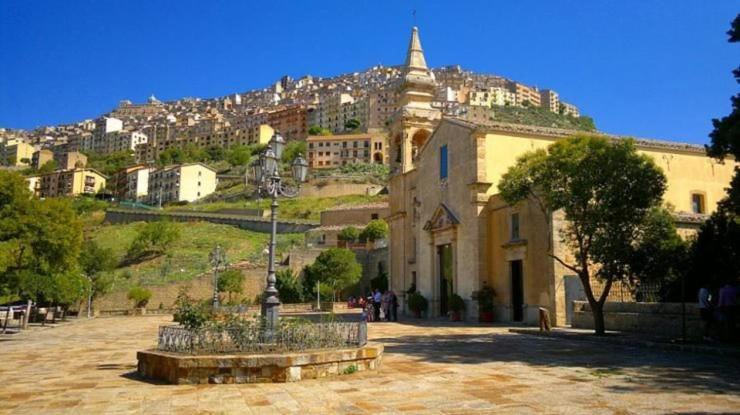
x: 179, y: 368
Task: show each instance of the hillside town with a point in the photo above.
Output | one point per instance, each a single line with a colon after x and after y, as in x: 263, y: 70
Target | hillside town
x: 356, y: 103
x: 404, y: 239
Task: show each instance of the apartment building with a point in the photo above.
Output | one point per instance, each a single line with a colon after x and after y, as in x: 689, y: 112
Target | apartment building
x: 333, y: 151
x: 132, y: 183
x: 290, y: 121
x: 41, y: 157
x: 70, y: 160
x: 550, y: 99
x: 525, y: 95
x: 381, y: 106
x: 68, y: 183
x: 488, y: 97
x: 334, y: 111
x: 569, y: 109
x: 180, y: 183
x: 16, y: 153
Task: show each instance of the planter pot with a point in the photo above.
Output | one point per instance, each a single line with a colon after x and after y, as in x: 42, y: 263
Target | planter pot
x: 486, y: 317
x: 455, y: 316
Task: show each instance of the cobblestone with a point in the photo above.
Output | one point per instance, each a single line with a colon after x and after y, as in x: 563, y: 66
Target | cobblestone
x: 428, y: 368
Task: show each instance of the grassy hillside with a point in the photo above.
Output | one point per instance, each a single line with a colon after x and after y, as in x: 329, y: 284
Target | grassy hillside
x: 189, y: 255
x: 298, y: 208
x: 541, y: 117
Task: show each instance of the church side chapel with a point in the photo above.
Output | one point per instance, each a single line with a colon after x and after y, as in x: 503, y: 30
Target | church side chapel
x: 450, y: 230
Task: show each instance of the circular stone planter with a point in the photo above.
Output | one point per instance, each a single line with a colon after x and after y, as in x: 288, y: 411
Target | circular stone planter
x: 177, y: 368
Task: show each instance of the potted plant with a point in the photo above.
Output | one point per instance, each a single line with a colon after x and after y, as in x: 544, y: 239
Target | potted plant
x: 140, y: 296
x: 484, y: 297
x: 457, y: 306
x: 418, y: 304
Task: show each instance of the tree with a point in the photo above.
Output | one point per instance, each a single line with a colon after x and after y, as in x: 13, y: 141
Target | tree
x: 317, y: 130
x: 111, y: 163
x: 215, y: 153
x: 348, y: 234
x: 352, y: 124
x: 96, y: 263
x: 725, y: 136
x: 153, y: 239
x: 606, y: 192
x: 293, y: 149
x: 238, y: 155
x: 48, y: 167
x: 289, y: 286
x: 376, y: 229
x: 172, y: 155
x: 39, y: 243
x: 336, y: 267
x: 231, y: 281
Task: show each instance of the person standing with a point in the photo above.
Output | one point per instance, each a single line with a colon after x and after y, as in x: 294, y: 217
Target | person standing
x: 385, y: 306
x: 376, y: 304
x: 727, y: 305
x: 705, y: 310
x: 394, y: 306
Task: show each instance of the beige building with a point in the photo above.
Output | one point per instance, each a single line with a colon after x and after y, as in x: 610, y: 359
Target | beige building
x: 335, y: 219
x: 491, y: 96
x: 450, y: 230
x: 550, y: 99
x: 337, y: 150
x: 41, y: 157
x: 335, y: 110
x: 132, y: 183
x: 68, y: 183
x: 18, y: 153
x: 181, y: 183
x: 70, y: 160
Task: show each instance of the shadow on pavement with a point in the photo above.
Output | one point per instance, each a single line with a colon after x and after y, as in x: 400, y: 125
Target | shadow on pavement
x: 656, y: 369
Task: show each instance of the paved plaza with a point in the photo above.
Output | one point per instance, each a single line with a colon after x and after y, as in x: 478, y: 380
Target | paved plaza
x: 88, y: 367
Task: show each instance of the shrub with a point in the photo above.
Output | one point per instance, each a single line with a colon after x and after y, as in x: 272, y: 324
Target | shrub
x: 375, y: 230
x: 457, y: 304
x: 418, y: 303
x: 154, y: 238
x: 190, y: 313
x: 484, y: 297
x: 290, y: 286
x: 349, y: 234
x: 140, y: 296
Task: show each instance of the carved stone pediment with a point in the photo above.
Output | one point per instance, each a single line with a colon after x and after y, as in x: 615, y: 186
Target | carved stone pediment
x: 442, y: 218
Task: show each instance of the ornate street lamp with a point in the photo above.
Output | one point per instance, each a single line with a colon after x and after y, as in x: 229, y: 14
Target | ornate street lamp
x: 266, y: 175
x: 217, y: 258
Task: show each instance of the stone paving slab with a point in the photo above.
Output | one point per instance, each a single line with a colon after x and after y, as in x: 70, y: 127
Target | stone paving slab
x: 88, y: 367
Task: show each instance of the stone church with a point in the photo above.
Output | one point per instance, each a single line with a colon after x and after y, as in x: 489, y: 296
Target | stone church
x: 450, y: 231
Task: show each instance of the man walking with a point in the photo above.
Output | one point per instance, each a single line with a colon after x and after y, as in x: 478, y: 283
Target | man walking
x: 376, y: 304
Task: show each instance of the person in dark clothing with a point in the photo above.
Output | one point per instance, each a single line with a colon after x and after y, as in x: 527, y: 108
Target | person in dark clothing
x: 393, y: 306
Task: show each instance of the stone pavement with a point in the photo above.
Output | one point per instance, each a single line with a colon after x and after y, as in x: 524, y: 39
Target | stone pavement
x: 87, y: 367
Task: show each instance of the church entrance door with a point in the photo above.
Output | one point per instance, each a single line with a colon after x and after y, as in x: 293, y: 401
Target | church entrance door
x: 517, y: 291
x: 444, y: 255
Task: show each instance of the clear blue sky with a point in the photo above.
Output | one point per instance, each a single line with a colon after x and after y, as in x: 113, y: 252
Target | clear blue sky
x: 658, y: 69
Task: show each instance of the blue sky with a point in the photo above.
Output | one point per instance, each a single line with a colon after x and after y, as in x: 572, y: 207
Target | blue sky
x: 659, y: 69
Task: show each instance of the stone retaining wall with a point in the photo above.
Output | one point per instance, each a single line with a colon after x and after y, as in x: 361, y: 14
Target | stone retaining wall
x: 659, y: 319
x: 252, y: 223
x: 178, y: 369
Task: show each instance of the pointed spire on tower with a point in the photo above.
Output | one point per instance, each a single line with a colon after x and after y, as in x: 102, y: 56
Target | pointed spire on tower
x: 415, y: 55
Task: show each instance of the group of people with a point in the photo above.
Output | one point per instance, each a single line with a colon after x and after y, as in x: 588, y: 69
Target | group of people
x: 719, y: 313
x: 377, y: 306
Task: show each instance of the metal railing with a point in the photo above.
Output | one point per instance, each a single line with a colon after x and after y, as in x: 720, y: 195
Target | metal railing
x: 253, y: 338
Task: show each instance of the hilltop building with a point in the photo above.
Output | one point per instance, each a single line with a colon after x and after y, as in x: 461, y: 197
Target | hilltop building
x: 180, y: 183
x: 71, y: 182
x: 337, y: 150
x: 450, y: 229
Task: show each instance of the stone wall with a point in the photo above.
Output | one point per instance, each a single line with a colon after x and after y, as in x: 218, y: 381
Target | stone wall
x: 337, y: 187
x: 200, y: 288
x: 660, y: 319
x: 257, y: 224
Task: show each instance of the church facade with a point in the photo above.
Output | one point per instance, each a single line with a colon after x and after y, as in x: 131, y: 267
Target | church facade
x: 450, y: 231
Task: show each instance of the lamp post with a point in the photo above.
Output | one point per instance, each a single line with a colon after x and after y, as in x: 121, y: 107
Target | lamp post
x: 266, y: 175
x: 217, y: 258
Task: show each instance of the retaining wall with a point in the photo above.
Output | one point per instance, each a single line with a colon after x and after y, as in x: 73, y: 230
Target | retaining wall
x: 659, y: 319
x: 252, y: 223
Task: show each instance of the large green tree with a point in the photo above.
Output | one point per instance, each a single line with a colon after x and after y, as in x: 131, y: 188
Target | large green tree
x: 605, y: 190
x: 97, y: 264
x: 39, y: 245
x: 335, y: 267
x: 726, y: 134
